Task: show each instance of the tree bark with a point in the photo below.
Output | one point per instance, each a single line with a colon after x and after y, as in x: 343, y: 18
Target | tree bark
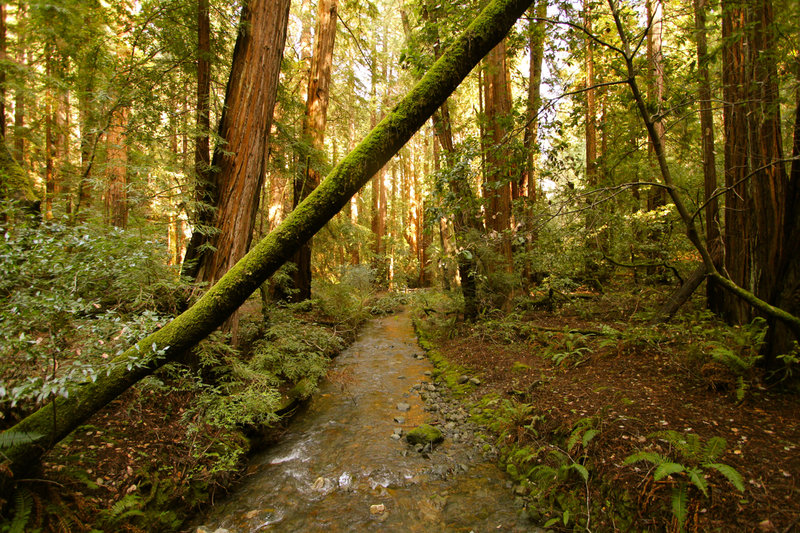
x: 714, y: 296
x: 536, y: 37
x: 3, y: 70
x: 499, y: 165
x: 202, y: 159
x: 268, y: 255
x: 791, y: 321
x: 245, y: 125
x: 116, y: 196
x: 591, y: 105
x: 655, y: 57
x: 314, y: 130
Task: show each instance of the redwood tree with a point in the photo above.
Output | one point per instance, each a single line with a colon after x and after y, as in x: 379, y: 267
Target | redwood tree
x: 239, y: 161
x: 314, y: 130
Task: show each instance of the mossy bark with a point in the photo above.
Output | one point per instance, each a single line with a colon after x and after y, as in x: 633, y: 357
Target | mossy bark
x: 58, y: 418
x: 15, y: 183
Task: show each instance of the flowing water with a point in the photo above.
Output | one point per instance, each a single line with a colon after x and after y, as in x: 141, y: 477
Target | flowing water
x: 341, y: 465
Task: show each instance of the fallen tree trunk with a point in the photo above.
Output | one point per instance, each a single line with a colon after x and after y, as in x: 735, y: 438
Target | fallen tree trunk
x: 58, y: 418
x: 681, y: 295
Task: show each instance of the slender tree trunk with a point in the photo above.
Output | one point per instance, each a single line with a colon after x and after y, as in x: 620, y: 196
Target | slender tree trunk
x: 500, y: 171
x: 19, y: 91
x: 714, y: 296
x: 245, y: 125
x: 202, y: 159
x: 655, y: 57
x: 314, y: 130
x: 536, y: 38
x: 3, y: 70
x: 49, y: 142
x: 116, y: 196
x: 263, y: 260
x: 591, y: 105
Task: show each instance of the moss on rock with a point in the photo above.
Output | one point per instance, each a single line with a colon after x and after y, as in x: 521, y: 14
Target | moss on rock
x: 425, y: 434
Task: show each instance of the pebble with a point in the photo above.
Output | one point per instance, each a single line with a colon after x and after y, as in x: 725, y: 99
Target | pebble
x: 402, y: 406
x: 400, y: 419
x: 377, y: 509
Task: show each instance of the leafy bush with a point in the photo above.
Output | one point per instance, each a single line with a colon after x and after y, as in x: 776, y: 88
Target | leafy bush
x: 71, y: 298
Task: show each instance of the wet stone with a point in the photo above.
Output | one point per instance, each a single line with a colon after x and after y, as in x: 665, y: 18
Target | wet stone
x: 403, y: 407
x: 462, y: 379
x: 400, y: 420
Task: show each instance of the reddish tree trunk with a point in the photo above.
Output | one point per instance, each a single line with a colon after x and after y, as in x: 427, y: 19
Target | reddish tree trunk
x: 245, y: 125
x: 714, y: 294
x: 314, y: 130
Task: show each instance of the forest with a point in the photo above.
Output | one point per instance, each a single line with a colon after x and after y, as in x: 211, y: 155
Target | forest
x: 586, y: 208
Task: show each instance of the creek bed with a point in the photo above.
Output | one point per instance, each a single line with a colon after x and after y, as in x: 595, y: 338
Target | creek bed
x: 343, y: 464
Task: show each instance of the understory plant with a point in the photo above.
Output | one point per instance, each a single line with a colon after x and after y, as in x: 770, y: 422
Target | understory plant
x: 687, y: 464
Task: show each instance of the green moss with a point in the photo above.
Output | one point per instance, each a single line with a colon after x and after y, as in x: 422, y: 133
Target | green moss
x: 425, y: 434
x: 15, y: 183
x: 519, y: 367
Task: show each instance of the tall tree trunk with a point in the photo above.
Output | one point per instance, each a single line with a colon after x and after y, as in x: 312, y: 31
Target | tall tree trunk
x: 536, y: 38
x: 591, y: 105
x: 655, y: 57
x: 754, y: 171
x: 314, y: 130
x: 57, y: 419
x: 116, y: 196
x: 20, y: 91
x: 780, y: 338
x: 3, y: 70
x: 245, y: 125
x: 714, y: 295
x: 202, y: 159
x: 500, y: 171
x: 737, y: 197
x: 49, y: 142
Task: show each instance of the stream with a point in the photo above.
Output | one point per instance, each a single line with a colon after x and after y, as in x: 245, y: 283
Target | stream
x: 344, y: 464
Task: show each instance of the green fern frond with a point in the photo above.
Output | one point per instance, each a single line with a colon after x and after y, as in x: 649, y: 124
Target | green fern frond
x: 23, y: 504
x: 14, y: 438
x: 680, y: 504
x: 651, y: 457
x: 697, y: 479
x: 714, y: 448
x: 730, y: 473
x: 666, y: 469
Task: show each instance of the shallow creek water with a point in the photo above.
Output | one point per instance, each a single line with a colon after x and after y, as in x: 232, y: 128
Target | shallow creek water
x: 339, y: 468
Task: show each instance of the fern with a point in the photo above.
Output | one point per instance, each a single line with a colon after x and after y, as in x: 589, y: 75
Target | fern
x: 680, y: 504
x: 730, y: 473
x: 128, y: 506
x: 714, y: 448
x: 10, y: 438
x: 667, y: 469
x: 23, y: 504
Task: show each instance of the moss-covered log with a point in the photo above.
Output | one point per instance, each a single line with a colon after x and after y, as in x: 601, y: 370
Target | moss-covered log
x: 57, y: 419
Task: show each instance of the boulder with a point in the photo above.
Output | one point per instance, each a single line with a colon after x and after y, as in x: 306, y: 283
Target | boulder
x: 425, y: 434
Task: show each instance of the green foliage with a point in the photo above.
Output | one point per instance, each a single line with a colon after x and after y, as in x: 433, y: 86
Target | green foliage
x: 292, y: 349
x: 71, y: 298
x: 569, y: 347
x: 693, y: 460
x: 23, y: 507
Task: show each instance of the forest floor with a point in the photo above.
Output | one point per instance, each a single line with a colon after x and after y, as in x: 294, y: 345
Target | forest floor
x: 564, y: 388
